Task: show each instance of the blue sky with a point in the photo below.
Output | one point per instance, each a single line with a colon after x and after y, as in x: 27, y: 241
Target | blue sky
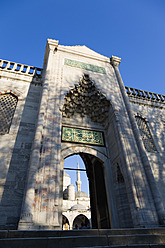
x: 71, y: 162
x: 131, y: 29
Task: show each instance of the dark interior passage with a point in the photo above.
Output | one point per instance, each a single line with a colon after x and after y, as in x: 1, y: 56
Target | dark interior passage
x: 99, y: 206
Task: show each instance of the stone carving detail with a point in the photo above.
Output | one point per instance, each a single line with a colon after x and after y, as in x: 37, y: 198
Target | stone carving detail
x: 86, y: 99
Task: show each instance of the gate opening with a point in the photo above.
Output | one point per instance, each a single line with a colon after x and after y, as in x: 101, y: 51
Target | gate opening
x: 81, y: 222
x: 97, y: 206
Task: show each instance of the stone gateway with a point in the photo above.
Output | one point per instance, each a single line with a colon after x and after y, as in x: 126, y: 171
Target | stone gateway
x: 77, y: 104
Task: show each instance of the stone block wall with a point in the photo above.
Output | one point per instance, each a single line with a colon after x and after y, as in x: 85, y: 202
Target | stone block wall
x: 153, y: 112
x: 15, y: 146
x: 35, y: 133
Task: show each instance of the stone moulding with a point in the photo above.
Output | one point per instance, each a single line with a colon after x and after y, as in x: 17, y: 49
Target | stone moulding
x: 82, y: 65
x: 13, y: 92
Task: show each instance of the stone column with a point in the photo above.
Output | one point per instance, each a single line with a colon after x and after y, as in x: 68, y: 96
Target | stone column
x: 26, y: 220
x: 115, y: 61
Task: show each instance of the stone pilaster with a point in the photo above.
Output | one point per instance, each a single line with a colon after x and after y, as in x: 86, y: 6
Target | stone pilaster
x: 115, y: 61
x: 35, y: 171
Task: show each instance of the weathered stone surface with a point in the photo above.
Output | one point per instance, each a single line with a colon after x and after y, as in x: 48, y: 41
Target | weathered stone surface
x: 84, y: 238
x: 128, y: 179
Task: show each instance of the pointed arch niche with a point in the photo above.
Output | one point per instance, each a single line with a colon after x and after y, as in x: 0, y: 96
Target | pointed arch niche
x: 86, y: 107
x: 85, y: 99
x: 8, y: 103
x: 145, y: 132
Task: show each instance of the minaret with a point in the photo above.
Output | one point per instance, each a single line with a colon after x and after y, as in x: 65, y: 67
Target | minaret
x: 78, y: 182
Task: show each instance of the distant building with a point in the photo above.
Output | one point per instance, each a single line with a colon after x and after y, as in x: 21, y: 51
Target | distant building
x: 76, y: 205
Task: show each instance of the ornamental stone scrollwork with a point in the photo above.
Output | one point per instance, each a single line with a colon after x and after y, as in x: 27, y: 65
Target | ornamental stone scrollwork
x: 86, y: 99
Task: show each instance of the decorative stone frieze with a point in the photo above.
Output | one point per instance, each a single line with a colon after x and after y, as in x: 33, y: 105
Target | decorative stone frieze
x: 86, y: 99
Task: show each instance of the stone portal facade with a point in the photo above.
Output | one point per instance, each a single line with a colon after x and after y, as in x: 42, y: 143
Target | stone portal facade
x: 77, y: 104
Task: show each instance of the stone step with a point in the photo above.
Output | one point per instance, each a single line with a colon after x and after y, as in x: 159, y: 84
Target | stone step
x: 130, y: 246
x: 81, y: 241
x: 131, y: 238
x: 89, y: 232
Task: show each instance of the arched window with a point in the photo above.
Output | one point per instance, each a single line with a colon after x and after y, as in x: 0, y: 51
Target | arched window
x: 81, y: 222
x: 8, y: 104
x: 146, y: 134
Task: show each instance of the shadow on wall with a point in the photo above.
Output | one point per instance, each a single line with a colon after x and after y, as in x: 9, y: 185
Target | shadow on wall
x: 11, y: 201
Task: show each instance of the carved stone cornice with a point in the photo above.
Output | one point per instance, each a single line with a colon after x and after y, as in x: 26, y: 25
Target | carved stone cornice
x: 86, y: 99
x: 115, y: 61
x: 52, y: 44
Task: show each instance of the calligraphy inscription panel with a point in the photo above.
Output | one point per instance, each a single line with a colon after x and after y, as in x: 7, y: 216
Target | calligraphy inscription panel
x: 82, y: 136
x: 85, y: 66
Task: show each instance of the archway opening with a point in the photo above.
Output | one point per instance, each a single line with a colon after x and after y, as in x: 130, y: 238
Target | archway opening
x: 65, y: 223
x: 75, y: 174
x: 81, y: 222
x: 76, y: 198
x: 100, y: 213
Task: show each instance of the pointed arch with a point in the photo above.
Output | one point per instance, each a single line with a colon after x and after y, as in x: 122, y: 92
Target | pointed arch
x: 145, y: 133
x: 86, y: 99
x: 65, y: 223
x: 77, y: 149
x: 8, y: 103
x: 81, y: 221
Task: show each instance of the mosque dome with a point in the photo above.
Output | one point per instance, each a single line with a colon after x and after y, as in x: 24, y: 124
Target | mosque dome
x: 78, y: 207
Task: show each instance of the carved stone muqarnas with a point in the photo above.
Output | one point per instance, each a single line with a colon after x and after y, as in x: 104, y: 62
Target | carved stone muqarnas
x: 86, y: 99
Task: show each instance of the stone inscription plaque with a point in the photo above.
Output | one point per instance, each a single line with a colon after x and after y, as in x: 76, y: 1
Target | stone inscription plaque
x: 82, y: 136
x: 85, y: 66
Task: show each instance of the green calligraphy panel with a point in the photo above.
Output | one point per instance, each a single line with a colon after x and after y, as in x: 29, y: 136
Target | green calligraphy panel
x: 77, y: 135
x: 85, y: 66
